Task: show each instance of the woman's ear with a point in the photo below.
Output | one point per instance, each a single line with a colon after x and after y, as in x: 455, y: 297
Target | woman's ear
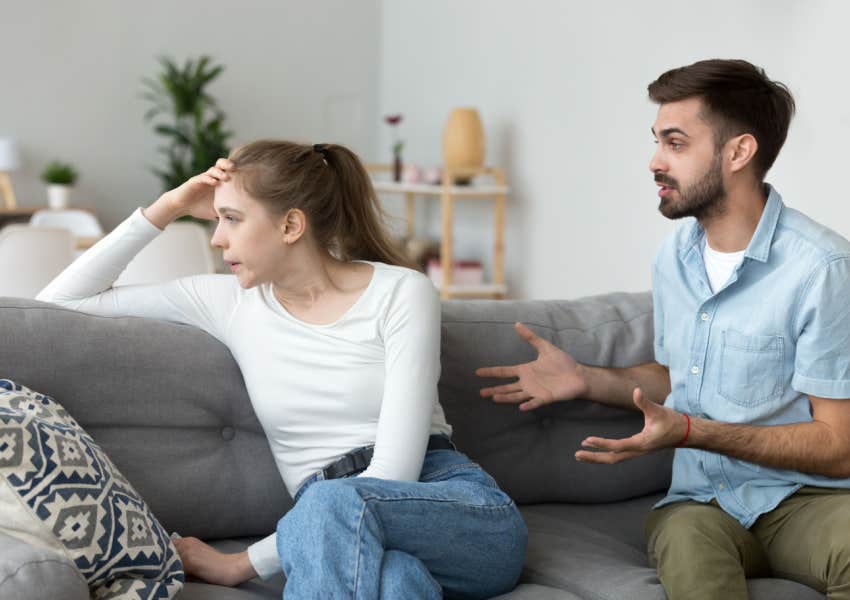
x: 293, y: 225
x: 741, y: 150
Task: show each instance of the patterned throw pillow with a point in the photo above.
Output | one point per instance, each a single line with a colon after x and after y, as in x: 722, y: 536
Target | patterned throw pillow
x: 59, y: 490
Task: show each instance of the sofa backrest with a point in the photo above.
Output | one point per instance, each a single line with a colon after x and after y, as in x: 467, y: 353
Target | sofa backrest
x: 168, y: 405
x: 531, y: 454
x: 165, y: 401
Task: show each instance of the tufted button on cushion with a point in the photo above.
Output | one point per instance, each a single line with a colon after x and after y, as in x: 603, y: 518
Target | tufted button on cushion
x: 228, y: 433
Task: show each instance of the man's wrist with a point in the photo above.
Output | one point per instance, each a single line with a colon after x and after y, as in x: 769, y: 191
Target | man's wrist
x: 684, y: 439
x: 585, y: 376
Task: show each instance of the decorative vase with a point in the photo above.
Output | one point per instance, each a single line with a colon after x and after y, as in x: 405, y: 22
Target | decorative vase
x: 463, y: 144
x: 57, y: 195
x: 398, y: 167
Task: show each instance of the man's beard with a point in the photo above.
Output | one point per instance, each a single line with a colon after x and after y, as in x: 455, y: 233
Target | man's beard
x: 705, y: 198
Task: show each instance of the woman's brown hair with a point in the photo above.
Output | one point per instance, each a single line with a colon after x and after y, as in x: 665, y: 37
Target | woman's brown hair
x: 329, y: 184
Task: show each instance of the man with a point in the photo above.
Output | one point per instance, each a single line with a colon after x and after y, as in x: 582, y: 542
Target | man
x: 751, y: 377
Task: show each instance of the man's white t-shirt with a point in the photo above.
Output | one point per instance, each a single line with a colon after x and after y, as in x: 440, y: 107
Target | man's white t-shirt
x: 319, y: 391
x: 720, y: 265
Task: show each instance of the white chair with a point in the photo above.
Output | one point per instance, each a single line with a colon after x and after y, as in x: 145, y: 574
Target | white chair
x: 81, y: 223
x: 182, y: 249
x: 30, y: 257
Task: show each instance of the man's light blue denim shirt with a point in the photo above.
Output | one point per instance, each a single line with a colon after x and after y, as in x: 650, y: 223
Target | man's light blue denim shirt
x: 750, y: 352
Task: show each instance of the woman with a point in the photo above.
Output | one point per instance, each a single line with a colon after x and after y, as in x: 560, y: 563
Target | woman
x: 339, y: 345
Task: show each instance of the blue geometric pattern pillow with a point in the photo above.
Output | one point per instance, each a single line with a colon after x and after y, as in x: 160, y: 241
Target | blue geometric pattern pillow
x: 59, y: 490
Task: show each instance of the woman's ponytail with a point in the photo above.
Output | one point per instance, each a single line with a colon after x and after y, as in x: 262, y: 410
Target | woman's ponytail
x: 362, y: 233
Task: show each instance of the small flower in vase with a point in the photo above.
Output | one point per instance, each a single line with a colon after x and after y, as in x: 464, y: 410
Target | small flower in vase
x: 398, y: 145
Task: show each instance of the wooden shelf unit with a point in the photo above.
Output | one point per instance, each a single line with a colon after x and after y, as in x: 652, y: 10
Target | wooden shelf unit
x: 448, y: 193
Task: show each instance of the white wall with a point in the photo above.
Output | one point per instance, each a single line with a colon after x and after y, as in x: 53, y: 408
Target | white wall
x: 561, y: 86
x: 70, y: 86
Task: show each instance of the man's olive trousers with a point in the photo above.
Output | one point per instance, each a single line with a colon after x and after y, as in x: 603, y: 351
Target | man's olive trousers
x: 703, y: 553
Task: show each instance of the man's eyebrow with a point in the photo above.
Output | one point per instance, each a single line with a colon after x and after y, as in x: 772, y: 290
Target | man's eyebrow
x: 669, y: 131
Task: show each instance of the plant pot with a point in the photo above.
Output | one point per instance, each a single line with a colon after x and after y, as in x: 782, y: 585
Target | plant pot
x: 463, y: 143
x: 58, y: 195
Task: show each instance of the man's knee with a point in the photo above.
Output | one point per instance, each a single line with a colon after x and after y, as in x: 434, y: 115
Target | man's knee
x: 836, y: 546
x: 691, y: 529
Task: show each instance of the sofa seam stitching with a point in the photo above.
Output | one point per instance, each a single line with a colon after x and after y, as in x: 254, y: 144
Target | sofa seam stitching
x: 43, y: 561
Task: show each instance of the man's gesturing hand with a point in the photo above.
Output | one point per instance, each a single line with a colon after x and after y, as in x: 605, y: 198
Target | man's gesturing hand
x: 553, y: 376
x: 662, y: 428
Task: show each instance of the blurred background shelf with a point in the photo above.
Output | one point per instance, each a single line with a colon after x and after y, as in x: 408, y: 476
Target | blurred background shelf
x: 448, y: 193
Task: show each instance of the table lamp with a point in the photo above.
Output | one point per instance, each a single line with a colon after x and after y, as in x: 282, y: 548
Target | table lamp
x: 10, y: 160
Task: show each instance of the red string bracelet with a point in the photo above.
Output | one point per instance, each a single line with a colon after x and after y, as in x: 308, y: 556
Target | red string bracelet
x: 687, y: 431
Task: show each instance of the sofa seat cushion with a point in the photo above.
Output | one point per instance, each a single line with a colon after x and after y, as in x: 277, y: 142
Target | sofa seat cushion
x: 597, y: 552
x: 257, y: 589
x: 59, y: 491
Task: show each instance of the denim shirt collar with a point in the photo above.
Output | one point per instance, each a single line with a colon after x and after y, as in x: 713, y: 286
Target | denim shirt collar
x: 759, y: 246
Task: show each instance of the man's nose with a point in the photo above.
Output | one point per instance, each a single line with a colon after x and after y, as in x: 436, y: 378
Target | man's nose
x: 656, y: 163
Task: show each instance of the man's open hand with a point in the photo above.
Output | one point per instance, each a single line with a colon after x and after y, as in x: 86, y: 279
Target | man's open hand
x: 662, y: 428
x: 553, y: 376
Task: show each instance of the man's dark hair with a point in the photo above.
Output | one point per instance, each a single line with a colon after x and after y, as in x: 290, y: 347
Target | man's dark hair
x: 738, y: 98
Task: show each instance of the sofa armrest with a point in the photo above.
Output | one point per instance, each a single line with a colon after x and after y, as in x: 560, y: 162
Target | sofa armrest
x: 27, y: 571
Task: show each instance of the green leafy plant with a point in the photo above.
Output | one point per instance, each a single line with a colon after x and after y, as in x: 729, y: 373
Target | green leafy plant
x: 193, y: 125
x: 59, y: 173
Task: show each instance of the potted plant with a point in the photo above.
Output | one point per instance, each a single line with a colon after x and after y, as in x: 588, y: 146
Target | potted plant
x: 193, y: 125
x: 59, y: 178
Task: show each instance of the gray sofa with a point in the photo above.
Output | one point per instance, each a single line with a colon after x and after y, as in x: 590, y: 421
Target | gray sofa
x: 168, y: 404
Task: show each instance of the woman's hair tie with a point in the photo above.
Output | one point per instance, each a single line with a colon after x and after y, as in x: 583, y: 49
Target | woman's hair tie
x: 323, y: 150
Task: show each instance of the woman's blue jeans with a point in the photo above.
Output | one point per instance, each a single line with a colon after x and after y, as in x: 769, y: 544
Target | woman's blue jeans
x: 453, y: 533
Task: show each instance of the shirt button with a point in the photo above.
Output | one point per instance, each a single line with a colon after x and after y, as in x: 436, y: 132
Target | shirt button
x: 695, y: 369
x: 704, y: 316
x: 721, y: 486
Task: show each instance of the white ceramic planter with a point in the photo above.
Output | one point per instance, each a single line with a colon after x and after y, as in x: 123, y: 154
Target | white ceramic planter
x: 58, y: 195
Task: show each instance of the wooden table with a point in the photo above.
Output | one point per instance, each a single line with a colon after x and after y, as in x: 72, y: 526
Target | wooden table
x: 84, y: 243
x: 22, y: 214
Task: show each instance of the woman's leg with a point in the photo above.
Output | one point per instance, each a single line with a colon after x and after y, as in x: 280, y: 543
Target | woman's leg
x: 455, y: 522
x: 405, y: 576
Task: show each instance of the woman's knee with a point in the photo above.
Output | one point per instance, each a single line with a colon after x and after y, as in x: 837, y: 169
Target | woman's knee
x: 318, y: 505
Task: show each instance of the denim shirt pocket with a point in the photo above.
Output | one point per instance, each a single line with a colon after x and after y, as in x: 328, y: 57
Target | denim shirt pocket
x: 751, y: 368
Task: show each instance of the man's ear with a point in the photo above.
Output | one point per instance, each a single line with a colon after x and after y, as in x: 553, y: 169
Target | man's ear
x: 741, y: 149
x: 293, y: 225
